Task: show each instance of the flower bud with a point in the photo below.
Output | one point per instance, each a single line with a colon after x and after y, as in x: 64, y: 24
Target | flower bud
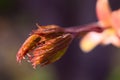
x: 45, y: 45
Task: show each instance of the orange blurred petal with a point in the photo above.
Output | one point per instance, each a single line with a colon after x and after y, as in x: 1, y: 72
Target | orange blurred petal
x: 103, y: 12
x: 90, y: 41
x: 110, y: 37
x: 116, y: 21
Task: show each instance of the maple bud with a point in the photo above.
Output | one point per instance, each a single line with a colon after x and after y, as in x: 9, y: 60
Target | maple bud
x: 45, y: 45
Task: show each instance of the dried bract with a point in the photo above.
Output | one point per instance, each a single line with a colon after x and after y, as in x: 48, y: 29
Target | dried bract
x: 45, y: 45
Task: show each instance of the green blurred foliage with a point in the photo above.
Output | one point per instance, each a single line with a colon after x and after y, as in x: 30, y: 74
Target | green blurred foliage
x: 115, y: 74
x: 115, y: 66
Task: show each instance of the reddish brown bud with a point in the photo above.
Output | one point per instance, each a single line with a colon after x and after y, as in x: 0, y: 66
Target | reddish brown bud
x: 46, y: 45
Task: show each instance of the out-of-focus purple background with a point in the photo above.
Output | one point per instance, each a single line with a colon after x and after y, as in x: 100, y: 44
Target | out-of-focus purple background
x: 18, y: 19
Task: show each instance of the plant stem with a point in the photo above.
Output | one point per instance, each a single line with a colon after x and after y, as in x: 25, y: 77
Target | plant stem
x: 79, y: 31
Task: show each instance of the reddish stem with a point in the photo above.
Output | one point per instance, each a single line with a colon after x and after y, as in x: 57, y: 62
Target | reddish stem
x: 77, y: 31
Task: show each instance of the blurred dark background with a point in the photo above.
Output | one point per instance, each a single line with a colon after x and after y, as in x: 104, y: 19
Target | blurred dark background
x: 18, y: 19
